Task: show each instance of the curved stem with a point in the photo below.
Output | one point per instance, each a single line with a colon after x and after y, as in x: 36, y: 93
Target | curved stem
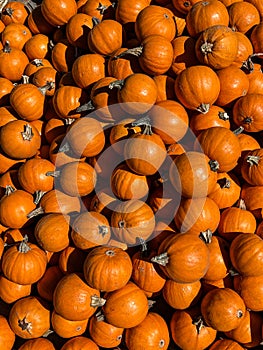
x: 238, y: 131
x: 96, y: 301
x: 161, y: 259
x: 86, y: 107
x: 9, y: 189
x: 116, y: 84
x: 241, y: 204
x: 37, y: 62
x: 38, y: 195
x: 35, y: 212
x: 253, y: 160
x: 23, y: 246
x: 49, y: 86
x: 136, y: 51
x: 206, y: 236
x: 203, y: 108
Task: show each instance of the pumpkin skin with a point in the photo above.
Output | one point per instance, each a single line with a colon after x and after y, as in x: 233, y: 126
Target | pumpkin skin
x: 48, y: 282
x: 30, y: 257
x: 120, y: 67
x: 188, y: 322
x: 252, y: 195
x: 217, y: 47
x: 251, y: 167
x: 131, y: 220
x: 7, y: 336
x: 192, y: 175
x: 181, y: 295
x: 25, y: 139
x: 212, y: 12
x: 247, y: 248
x: 37, y: 23
x: 87, y: 69
x: 244, y: 49
x: 12, y: 63
x: 16, y: 34
x: 29, y: 317
x: 90, y: 229
x: 127, y: 16
x: 126, y: 307
x: 39, y: 343
x: 77, y: 29
x: 67, y: 328
x: 196, y: 215
x: 247, y: 112
x: 187, y: 250
x: 183, y: 6
x: 243, y: 17
x: 144, y: 153
x: 79, y: 342
x: 14, y: 12
x: 11, y: 291
x: 165, y: 89
x: 107, y: 268
x: 222, y: 309
x: 71, y: 294
x: 250, y: 290
x: 214, y: 143
x: 197, y: 87
x: 58, y: 13
x: 103, y: 333
x: 6, y: 88
x: 96, y: 8
x: 152, y: 331
x: 226, y: 344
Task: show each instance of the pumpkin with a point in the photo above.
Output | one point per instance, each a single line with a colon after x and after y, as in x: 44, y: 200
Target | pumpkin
x: 196, y: 215
x: 90, y: 229
x: 35, y: 65
x: 152, y: 331
x: 19, y: 140
x: 192, y: 175
x: 52, y: 232
x: 212, y: 12
x: 180, y: 296
x: 63, y: 56
x: 80, y: 342
x: 14, y: 12
x: 86, y: 137
x: 37, y: 23
x: 27, y: 255
x: 87, y: 69
x: 71, y: 259
x: 16, y: 34
x: 243, y: 17
x: 249, y: 331
x: 137, y: 93
x: 107, y: 268
x: 105, y: 37
x: 165, y: 85
x: 244, y: 49
x: 245, y: 254
x: 127, y: 15
x: 11, y: 291
x: 67, y: 328
x: 214, y: 141
x: 126, y: 184
x: 29, y: 317
x: 186, y: 250
x: 103, y: 333
x: 183, y: 6
x: 251, y: 168
x: 73, y: 299
x: 216, y: 46
x: 197, y: 87
x: 37, y: 46
x: 6, y: 88
x: 252, y: 195
x: 103, y: 202
x: 250, y: 290
x: 226, y: 344
x: 48, y: 282
x: 7, y: 336
x: 188, y: 327
x: 98, y: 9
x: 235, y: 220
x: 144, y: 152
x: 38, y: 343
x: 125, y: 307
x: 58, y: 13
x: 77, y: 29
x: 222, y: 309
x: 131, y: 220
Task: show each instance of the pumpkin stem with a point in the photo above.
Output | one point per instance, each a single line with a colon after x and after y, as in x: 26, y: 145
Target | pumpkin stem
x: 96, y: 301
x: 145, y: 122
x: 4, y: 3
x: 8, y: 11
x: 199, y: 323
x: 116, y: 84
x: 86, y: 107
x: 99, y: 316
x: 30, y: 5
x: 95, y: 20
x: 38, y: 195
x: 8, y: 190
x: 203, y: 108
x: 214, y: 165
x: 161, y: 259
x: 25, y: 79
x: 35, y: 212
x: 49, y: 86
x: 232, y: 272
x: 23, y: 247
x: 224, y: 182
x: 7, y: 47
x: 101, y: 8
x: 136, y: 51
x: 24, y: 325
x: 55, y: 173
x: 47, y: 333
x: 27, y: 134
x: 151, y: 303
x: 38, y: 62
x: 103, y: 230
x: 248, y: 64
x: 241, y: 204
x: 223, y: 116
x: 64, y: 148
x: 206, y: 236
x: 69, y: 121
x: 253, y: 160
x: 206, y: 48
x: 238, y: 131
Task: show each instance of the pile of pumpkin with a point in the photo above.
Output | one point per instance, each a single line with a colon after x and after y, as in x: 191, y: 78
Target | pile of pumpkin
x: 131, y: 186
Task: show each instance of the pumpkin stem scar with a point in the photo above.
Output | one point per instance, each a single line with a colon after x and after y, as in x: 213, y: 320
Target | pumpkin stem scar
x: 24, y: 325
